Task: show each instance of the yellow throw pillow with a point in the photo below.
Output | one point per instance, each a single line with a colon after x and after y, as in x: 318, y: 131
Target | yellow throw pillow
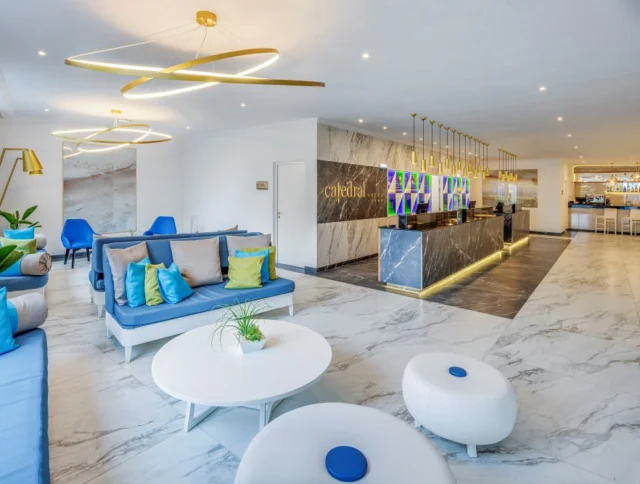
x: 244, y: 273
x: 152, y: 295
x: 272, y: 259
x: 28, y: 246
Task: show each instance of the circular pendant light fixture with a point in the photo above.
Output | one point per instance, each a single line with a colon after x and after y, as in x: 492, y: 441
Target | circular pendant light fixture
x: 205, y: 21
x: 96, y: 140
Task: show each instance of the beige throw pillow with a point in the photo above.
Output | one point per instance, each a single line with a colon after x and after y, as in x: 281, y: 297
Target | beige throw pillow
x: 119, y: 261
x: 198, y: 260
x: 235, y: 242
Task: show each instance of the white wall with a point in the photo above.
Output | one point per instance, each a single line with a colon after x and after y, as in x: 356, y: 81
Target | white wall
x: 220, y: 171
x: 553, y: 194
x: 158, y: 184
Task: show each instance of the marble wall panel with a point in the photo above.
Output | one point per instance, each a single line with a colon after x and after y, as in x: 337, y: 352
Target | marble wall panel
x: 350, y: 192
x: 344, y: 241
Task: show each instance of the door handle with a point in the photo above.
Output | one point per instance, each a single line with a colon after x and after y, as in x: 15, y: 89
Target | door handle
x: 279, y: 214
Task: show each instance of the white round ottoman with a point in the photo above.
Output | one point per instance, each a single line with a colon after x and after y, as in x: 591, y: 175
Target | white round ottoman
x: 329, y: 443
x: 459, y: 398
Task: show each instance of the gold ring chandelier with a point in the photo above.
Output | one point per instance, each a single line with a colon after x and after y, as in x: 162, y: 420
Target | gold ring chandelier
x: 182, y: 72
x: 95, y: 138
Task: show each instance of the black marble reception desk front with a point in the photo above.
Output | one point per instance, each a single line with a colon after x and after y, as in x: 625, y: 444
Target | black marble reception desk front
x: 418, y: 258
x: 516, y: 226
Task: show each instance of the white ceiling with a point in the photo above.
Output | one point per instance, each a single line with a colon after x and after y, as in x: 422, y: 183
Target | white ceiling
x: 473, y: 65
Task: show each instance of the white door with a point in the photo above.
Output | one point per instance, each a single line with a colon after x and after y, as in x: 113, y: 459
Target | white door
x: 290, y: 231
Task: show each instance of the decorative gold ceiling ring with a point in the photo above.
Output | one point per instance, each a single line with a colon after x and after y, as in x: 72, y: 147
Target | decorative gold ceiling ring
x: 98, y: 131
x: 180, y: 73
x: 118, y: 144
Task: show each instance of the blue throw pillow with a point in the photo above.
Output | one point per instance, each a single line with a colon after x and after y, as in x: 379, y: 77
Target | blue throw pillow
x: 264, y: 270
x: 134, y: 283
x: 7, y: 342
x: 20, y: 234
x: 173, y: 287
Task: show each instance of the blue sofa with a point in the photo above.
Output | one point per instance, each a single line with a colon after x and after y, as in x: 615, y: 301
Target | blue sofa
x: 96, y: 273
x: 19, y: 284
x: 134, y: 326
x: 24, y: 439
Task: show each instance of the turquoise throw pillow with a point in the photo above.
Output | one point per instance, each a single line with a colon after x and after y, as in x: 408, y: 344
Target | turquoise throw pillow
x: 134, y: 283
x: 264, y: 270
x: 20, y: 234
x: 7, y: 342
x: 173, y: 287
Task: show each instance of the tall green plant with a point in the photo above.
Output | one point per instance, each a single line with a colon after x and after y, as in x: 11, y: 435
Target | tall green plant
x: 9, y: 256
x: 241, y: 318
x: 15, y: 220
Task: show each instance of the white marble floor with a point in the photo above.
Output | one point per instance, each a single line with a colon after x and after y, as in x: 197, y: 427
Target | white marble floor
x: 572, y: 353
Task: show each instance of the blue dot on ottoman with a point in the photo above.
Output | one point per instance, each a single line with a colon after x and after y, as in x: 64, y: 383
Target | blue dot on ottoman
x: 457, y: 371
x: 346, y: 464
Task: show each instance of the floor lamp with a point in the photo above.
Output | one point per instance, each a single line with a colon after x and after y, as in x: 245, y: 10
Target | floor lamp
x: 30, y: 164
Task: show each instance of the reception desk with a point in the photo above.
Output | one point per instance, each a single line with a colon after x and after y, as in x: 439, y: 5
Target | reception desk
x: 427, y: 249
x: 516, y: 223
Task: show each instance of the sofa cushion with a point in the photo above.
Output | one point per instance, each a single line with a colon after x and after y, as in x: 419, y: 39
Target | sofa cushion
x: 119, y: 262
x: 23, y: 283
x: 198, y: 260
x: 204, y: 298
x: 235, y: 242
x: 24, y: 446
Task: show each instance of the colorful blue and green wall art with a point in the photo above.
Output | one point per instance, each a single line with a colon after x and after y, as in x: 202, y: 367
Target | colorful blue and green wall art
x: 455, y: 192
x: 405, y: 190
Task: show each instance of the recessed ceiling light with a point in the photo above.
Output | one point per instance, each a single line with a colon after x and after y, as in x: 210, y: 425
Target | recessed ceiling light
x: 420, y: 139
x: 42, y: 53
x: 560, y: 118
x: 435, y: 142
x: 542, y: 89
x: 242, y: 105
x: 575, y: 147
x: 384, y: 127
x: 569, y: 135
x: 383, y: 165
x: 188, y: 127
x: 46, y: 110
x: 580, y: 156
x: 360, y: 120
x: 404, y: 134
x: 365, y: 55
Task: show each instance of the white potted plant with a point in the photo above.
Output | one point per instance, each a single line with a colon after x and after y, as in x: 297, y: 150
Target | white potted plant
x: 243, y: 320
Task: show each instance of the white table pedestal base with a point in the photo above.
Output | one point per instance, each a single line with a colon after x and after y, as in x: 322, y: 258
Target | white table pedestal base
x: 191, y: 419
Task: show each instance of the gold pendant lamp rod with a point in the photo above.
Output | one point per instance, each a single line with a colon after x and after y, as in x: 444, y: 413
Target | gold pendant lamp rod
x: 414, y: 158
x: 432, y: 160
x: 440, y: 148
x: 446, y: 160
x: 453, y: 152
x: 424, y: 161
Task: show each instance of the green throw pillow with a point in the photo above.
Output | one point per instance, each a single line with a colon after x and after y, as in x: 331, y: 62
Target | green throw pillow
x: 152, y: 295
x: 272, y: 259
x: 244, y: 273
x: 28, y: 246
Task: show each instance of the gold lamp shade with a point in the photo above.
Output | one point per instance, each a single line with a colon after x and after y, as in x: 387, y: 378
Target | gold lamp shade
x: 30, y: 163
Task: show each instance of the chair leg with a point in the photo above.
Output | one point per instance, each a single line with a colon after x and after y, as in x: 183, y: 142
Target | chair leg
x: 66, y: 256
x: 73, y: 258
x: 88, y: 255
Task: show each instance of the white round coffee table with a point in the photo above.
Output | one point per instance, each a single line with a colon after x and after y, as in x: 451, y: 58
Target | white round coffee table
x: 215, y: 373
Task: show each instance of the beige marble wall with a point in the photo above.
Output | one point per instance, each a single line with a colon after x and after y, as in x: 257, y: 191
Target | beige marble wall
x: 345, y: 241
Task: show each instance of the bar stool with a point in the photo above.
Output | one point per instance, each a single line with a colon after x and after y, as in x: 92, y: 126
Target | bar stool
x: 631, y: 221
x: 610, y: 216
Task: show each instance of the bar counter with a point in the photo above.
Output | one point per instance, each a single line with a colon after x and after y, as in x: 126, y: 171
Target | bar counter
x: 583, y: 216
x: 433, y: 247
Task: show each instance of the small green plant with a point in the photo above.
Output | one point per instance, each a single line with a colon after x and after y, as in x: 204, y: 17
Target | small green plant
x: 9, y: 256
x: 15, y: 220
x: 243, y: 319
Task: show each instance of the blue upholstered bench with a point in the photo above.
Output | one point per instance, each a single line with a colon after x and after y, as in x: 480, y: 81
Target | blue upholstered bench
x: 24, y: 442
x: 96, y: 273
x: 134, y: 326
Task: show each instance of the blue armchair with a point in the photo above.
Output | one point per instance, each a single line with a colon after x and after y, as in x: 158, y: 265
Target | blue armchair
x: 76, y: 234
x: 162, y: 226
